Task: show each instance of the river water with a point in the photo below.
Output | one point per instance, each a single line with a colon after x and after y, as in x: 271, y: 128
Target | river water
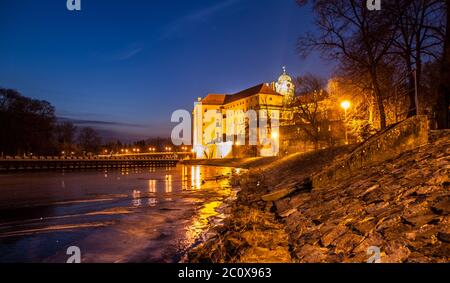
x: 126, y: 215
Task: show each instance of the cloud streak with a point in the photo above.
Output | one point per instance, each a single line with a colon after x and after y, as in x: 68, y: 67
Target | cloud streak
x: 125, y: 53
x: 195, y: 17
x: 98, y: 123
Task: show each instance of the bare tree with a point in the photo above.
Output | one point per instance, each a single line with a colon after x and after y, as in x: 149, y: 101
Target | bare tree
x: 65, y: 135
x: 443, y: 103
x: 89, y: 140
x: 308, y: 115
x: 419, y: 39
x: 359, y: 39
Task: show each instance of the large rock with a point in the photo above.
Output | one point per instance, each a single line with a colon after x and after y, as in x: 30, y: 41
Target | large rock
x: 277, y: 195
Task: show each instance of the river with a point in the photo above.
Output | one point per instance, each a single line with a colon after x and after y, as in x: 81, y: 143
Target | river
x: 126, y: 215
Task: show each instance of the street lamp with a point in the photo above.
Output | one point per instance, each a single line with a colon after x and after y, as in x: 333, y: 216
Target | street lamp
x: 345, y: 105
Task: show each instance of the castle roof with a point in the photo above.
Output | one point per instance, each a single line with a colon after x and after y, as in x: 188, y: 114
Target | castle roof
x: 264, y: 88
x: 214, y: 99
x: 221, y: 99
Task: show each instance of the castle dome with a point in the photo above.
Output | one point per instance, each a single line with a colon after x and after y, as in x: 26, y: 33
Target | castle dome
x: 285, y: 86
x: 284, y: 77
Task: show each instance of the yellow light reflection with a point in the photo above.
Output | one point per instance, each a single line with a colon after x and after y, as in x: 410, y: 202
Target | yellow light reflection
x: 200, y: 223
x: 168, y: 184
x: 192, y: 177
x: 196, y: 178
x: 152, y: 186
x: 184, y: 178
x: 196, y: 181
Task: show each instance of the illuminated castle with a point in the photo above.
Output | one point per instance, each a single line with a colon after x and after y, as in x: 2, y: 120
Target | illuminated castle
x: 272, y: 97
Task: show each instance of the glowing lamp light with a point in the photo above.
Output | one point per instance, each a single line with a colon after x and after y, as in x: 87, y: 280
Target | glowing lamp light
x: 345, y: 104
x: 274, y: 135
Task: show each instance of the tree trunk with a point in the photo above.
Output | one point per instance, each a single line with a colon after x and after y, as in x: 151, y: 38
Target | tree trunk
x: 418, y: 75
x: 412, y: 111
x: 378, y: 98
x: 443, y: 102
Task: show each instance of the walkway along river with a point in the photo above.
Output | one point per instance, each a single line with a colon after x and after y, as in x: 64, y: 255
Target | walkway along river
x: 118, y: 215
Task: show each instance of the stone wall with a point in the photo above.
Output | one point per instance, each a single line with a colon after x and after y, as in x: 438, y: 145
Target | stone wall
x: 399, y: 138
x: 293, y: 138
x: 243, y: 151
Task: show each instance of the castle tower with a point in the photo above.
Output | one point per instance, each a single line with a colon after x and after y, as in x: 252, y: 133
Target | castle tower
x: 286, y: 87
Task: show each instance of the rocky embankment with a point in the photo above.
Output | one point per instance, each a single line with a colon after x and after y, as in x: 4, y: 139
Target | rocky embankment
x: 401, y: 206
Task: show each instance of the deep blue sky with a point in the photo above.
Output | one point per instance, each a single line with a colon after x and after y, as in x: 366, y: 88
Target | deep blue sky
x: 131, y: 63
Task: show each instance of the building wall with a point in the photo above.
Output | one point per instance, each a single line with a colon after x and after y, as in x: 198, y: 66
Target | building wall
x: 209, y: 145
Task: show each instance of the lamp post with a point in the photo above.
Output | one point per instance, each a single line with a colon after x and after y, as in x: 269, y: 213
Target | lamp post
x: 345, y: 105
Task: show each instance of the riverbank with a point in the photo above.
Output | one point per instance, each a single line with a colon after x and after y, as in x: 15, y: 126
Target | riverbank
x: 253, y: 232
x: 400, y: 205
x: 243, y: 163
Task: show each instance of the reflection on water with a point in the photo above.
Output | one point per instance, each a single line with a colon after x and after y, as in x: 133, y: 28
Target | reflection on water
x: 152, y: 186
x: 184, y: 178
x: 201, y: 223
x: 154, y: 212
x: 136, y: 198
x: 168, y: 188
x: 196, y: 180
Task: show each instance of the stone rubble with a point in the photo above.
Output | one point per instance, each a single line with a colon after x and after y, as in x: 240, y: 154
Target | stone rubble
x: 401, y: 206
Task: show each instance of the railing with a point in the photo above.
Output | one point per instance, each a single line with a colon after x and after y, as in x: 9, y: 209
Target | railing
x: 144, y: 156
x: 19, y: 163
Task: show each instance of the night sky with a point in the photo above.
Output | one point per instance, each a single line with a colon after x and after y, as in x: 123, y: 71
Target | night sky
x: 124, y: 66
